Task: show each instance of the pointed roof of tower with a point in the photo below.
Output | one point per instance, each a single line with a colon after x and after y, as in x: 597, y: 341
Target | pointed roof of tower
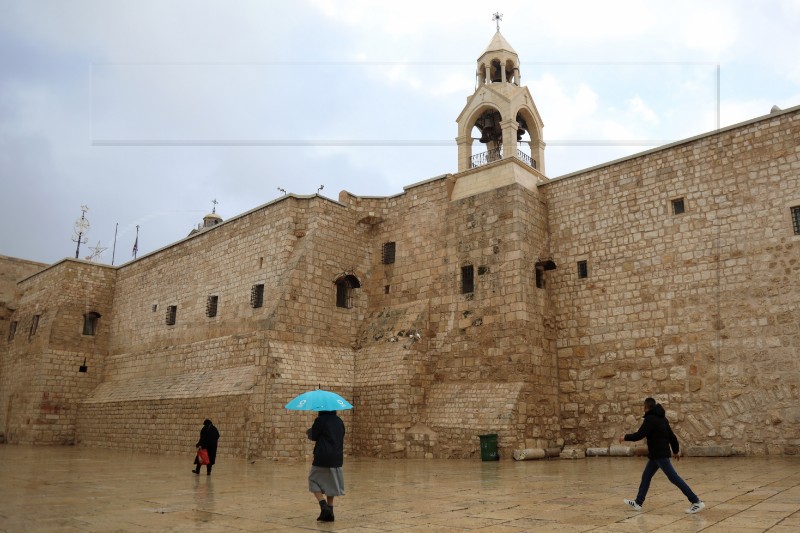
x: 499, y: 43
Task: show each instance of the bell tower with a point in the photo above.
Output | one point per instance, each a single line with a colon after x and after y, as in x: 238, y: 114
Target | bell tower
x: 501, y: 112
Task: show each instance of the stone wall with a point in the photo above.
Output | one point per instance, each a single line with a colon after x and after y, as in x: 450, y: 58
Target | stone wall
x: 699, y: 309
x: 298, y: 340
x: 50, y: 364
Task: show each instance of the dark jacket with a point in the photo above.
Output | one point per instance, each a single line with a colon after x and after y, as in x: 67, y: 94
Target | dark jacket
x: 660, y: 437
x: 209, y: 436
x: 328, y: 433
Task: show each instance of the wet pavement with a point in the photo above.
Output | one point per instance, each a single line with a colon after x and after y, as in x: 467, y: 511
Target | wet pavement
x: 69, y: 489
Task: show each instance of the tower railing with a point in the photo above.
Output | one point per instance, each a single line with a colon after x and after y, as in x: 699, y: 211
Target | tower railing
x: 496, y: 154
x: 484, y: 158
x: 526, y: 158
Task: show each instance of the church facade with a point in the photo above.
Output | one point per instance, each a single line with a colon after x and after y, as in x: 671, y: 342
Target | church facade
x: 492, y: 300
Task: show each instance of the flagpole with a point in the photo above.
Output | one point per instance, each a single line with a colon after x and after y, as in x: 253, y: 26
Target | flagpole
x: 114, y: 249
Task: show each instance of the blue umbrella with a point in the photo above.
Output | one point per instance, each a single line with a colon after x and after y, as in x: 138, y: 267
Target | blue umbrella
x: 318, y: 400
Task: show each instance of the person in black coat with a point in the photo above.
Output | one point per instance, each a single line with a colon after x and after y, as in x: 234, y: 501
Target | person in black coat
x: 660, y: 439
x: 325, y: 479
x: 209, y: 436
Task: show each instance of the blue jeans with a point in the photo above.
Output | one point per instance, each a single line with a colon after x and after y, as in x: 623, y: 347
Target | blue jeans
x: 664, y: 464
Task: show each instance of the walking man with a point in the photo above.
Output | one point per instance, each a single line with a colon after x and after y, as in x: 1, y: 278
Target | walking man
x: 660, y: 439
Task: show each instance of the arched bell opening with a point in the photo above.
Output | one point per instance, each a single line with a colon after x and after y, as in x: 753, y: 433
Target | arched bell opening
x: 524, y: 141
x: 487, y: 131
x: 496, y: 71
x: 480, y: 75
x: 528, y: 138
x: 512, y: 72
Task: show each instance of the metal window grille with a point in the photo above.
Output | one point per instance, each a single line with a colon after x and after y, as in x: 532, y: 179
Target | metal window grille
x: 12, y: 330
x: 678, y: 206
x: 257, y: 295
x: 583, y: 269
x: 172, y: 315
x: 211, y: 306
x: 90, y: 323
x: 387, y: 255
x: 796, y: 219
x: 467, y: 279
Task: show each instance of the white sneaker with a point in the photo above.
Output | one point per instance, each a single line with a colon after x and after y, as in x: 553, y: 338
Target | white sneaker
x: 636, y: 507
x: 696, y: 507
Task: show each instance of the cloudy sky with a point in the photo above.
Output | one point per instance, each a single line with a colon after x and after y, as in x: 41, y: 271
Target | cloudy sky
x: 147, y: 111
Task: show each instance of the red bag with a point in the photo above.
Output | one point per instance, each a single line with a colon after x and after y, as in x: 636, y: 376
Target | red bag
x: 202, y: 457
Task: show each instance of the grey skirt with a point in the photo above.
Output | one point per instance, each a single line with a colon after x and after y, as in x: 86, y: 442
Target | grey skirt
x: 328, y: 481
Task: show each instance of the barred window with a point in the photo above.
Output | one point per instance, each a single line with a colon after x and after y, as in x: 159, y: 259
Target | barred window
x: 211, y: 305
x: 583, y: 269
x: 172, y: 315
x: 345, y: 291
x: 12, y: 330
x: 467, y: 279
x: 90, y: 323
x: 387, y: 254
x: 257, y: 295
x: 796, y: 219
x: 678, y: 206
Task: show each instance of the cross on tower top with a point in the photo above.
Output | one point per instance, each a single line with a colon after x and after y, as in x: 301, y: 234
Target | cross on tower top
x: 497, y: 17
x: 214, y: 209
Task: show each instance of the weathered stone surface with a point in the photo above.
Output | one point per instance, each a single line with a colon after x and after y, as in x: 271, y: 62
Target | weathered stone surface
x: 573, y: 453
x: 528, y: 454
x: 708, y: 451
x: 616, y: 450
x: 597, y: 452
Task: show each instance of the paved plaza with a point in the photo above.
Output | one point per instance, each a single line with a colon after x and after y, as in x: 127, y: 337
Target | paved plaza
x: 77, y: 489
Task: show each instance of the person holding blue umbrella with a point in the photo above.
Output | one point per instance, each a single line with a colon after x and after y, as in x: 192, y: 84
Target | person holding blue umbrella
x: 325, y: 480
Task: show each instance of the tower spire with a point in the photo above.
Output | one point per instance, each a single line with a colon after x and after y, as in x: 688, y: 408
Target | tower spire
x: 497, y: 17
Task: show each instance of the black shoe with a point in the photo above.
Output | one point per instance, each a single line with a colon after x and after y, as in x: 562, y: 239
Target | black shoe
x: 196, y: 472
x: 326, y: 514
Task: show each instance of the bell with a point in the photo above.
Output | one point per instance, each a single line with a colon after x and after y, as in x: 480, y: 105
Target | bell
x: 484, y: 137
x: 520, y: 133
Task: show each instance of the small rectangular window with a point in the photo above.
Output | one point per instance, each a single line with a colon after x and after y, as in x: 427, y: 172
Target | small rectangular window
x: 539, y: 278
x: 387, y: 254
x: 677, y: 206
x: 211, y: 306
x: 90, y: 323
x: 583, y: 269
x: 172, y: 314
x: 257, y: 295
x: 12, y: 330
x: 155, y: 307
x: 34, y: 325
x: 796, y: 219
x: 467, y: 279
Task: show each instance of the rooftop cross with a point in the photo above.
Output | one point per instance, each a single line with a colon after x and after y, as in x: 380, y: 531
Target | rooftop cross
x: 214, y: 209
x: 497, y: 17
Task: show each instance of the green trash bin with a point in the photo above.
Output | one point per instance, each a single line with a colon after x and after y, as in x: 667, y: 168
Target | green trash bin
x: 489, y: 447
